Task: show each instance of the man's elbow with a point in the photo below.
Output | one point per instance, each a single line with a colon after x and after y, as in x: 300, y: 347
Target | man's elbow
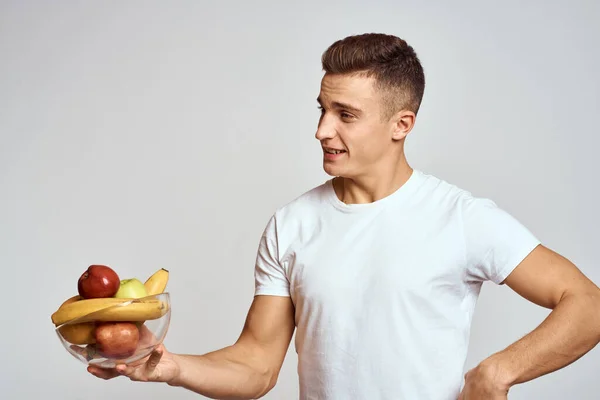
x: 587, y: 305
x: 268, y: 379
x: 593, y: 302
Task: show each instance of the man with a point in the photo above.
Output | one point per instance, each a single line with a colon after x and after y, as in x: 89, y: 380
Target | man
x: 380, y: 267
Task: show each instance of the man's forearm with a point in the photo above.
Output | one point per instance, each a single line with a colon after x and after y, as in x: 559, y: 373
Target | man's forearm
x: 571, y: 330
x: 229, y: 373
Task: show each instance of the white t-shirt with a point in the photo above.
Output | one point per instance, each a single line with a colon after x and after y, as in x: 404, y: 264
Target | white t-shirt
x: 384, y: 292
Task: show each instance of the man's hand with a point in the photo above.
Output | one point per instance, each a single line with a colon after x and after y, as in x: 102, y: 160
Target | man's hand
x: 484, y: 383
x: 160, y: 366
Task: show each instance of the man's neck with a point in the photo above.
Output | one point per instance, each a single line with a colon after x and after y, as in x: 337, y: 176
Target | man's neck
x: 374, y: 187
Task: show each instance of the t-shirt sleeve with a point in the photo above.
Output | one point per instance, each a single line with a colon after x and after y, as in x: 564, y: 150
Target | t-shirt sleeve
x: 495, y: 241
x: 269, y: 275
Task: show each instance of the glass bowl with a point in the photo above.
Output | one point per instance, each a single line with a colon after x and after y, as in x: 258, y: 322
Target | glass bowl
x: 118, y: 334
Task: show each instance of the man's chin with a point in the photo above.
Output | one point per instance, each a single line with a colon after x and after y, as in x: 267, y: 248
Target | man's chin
x: 331, y: 171
x: 335, y: 172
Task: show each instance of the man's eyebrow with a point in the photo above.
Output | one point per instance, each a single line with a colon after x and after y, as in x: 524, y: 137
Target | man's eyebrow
x: 337, y: 104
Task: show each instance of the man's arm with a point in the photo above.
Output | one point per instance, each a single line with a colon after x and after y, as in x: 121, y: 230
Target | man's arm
x: 571, y: 330
x: 249, y: 368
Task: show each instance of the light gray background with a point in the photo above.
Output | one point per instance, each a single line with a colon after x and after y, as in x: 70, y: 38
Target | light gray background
x: 149, y: 134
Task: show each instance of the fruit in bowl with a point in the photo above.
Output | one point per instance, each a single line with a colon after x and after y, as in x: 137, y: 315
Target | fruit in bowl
x: 120, y: 328
x: 131, y: 288
x: 98, y: 281
x: 116, y: 339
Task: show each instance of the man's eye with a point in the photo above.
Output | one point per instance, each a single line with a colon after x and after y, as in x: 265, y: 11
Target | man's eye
x: 345, y: 115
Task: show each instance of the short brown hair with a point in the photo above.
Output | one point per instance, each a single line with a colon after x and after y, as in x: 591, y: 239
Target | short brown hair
x: 389, y: 59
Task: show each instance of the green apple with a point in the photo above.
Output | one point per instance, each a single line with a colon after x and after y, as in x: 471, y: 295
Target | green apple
x: 131, y: 289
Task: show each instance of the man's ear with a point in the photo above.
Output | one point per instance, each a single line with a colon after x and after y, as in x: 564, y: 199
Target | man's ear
x: 402, y: 124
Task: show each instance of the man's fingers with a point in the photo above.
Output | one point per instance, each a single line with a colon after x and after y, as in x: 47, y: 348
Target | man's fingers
x: 126, y: 370
x: 103, y: 373
x: 133, y: 373
x: 139, y: 362
x: 154, y: 359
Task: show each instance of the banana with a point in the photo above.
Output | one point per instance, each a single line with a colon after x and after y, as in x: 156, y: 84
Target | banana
x: 103, y: 309
x: 138, y: 311
x: 157, y: 283
x: 72, y: 310
x: 77, y: 333
x: 82, y: 333
x: 71, y: 300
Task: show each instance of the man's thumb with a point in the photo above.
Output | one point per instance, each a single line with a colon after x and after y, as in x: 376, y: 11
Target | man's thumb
x: 154, y: 359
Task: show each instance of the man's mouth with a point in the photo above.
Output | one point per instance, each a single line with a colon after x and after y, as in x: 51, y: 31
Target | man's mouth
x: 333, y: 151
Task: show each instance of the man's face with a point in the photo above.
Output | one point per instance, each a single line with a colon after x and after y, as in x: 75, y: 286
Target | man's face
x: 352, y: 133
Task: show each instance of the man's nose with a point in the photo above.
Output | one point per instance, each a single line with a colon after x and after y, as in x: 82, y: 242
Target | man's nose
x: 325, y: 130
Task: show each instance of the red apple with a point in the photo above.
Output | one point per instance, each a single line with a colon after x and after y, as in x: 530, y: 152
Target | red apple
x: 116, y: 339
x: 98, y: 281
